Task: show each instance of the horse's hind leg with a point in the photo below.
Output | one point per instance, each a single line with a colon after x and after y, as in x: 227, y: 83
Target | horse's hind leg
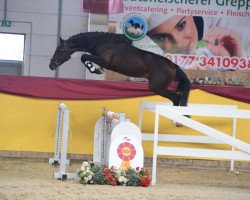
x: 87, y: 60
x: 158, y: 84
x: 183, y: 86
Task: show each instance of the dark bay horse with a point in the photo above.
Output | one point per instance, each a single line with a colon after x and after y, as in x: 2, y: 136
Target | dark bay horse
x: 115, y: 52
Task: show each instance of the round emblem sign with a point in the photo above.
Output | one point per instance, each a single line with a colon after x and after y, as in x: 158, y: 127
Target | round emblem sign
x: 126, y: 151
x: 135, y: 27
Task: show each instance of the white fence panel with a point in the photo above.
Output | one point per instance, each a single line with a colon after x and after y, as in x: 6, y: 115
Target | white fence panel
x: 211, y: 135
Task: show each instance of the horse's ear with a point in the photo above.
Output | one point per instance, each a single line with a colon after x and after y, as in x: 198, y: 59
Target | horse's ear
x: 61, y: 40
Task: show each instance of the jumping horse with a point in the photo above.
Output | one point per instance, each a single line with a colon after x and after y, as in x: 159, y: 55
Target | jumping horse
x: 115, y: 52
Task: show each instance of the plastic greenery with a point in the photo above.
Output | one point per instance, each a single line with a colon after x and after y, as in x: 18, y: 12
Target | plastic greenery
x: 90, y: 173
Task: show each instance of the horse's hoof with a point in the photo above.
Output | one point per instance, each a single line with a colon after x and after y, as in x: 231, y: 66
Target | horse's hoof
x: 99, y: 71
x: 102, y: 70
x: 88, y: 64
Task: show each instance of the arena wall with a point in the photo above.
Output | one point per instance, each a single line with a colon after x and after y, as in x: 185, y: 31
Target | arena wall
x: 29, y: 124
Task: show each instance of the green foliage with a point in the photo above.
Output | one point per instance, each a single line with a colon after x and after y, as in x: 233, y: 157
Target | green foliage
x: 90, y: 173
x: 133, y: 177
x: 99, y: 175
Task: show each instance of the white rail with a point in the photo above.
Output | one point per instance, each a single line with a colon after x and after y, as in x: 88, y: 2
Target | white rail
x: 211, y: 135
x: 176, y: 114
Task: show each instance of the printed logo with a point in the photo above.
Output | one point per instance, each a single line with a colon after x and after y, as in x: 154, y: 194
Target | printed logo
x: 135, y: 27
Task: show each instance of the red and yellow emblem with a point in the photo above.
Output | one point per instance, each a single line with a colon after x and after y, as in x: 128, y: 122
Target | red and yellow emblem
x: 126, y: 152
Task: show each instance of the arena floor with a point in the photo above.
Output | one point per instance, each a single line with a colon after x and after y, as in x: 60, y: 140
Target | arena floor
x: 26, y: 179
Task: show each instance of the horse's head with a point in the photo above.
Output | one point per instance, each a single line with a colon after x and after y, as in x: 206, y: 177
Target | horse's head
x: 61, y: 55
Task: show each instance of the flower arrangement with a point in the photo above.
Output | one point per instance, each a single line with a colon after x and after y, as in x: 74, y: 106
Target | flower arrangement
x: 85, y: 174
x: 90, y: 173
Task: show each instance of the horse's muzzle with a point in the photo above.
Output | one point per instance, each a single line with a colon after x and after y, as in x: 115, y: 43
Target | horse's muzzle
x: 52, y: 66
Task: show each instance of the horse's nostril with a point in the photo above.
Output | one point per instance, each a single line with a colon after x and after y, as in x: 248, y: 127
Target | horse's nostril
x: 52, y: 67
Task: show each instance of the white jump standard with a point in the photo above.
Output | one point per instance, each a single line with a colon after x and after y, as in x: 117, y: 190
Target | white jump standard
x: 62, y: 126
x: 117, y: 141
x: 102, y: 135
x: 60, y: 115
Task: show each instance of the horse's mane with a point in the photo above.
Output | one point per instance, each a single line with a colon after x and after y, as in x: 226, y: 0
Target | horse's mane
x: 102, y: 35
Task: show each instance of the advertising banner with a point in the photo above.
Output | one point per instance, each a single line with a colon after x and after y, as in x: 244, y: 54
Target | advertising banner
x: 102, y: 6
x: 195, y: 34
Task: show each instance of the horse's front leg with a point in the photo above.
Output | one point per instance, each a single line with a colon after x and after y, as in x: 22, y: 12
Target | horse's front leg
x: 158, y: 83
x: 174, y: 97
x: 183, y: 87
x: 88, y: 61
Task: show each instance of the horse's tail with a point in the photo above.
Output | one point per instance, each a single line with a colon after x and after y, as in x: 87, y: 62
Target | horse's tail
x: 183, y: 86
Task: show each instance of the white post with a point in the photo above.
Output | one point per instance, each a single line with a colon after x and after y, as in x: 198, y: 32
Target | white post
x: 140, y: 116
x: 64, y: 140
x: 104, y: 135
x: 122, y: 117
x: 64, y: 128
x: 58, y: 134
x: 155, y: 147
x: 89, y: 22
x: 233, y: 148
x: 56, y: 159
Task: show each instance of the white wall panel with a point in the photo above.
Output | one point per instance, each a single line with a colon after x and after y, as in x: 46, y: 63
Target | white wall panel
x: 97, y: 27
x: 72, y: 69
x: 41, y: 23
x: 43, y: 45
x: 72, y: 25
x: 1, y: 5
x: 99, y: 19
x: 40, y: 66
x: 33, y: 6
x: 72, y: 7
